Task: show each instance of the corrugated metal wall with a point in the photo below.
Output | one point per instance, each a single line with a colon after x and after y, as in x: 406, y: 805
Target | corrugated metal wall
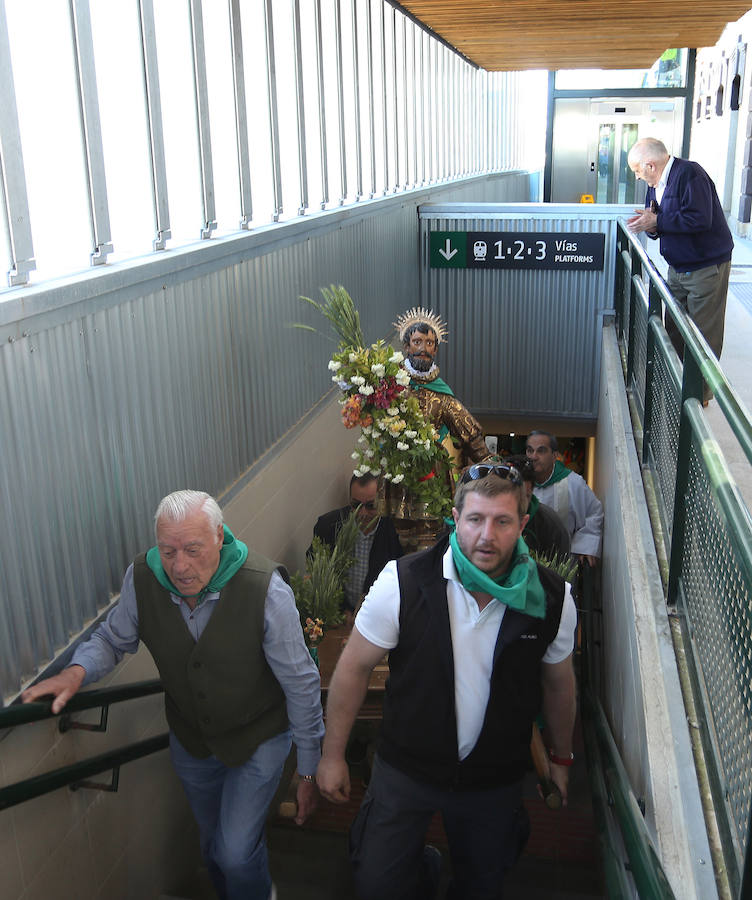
x: 182, y: 371
x: 525, y: 342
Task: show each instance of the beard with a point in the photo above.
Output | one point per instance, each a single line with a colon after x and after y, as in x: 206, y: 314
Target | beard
x: 421, y: 363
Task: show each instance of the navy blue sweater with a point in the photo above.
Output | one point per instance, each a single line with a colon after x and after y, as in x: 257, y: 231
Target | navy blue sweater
x: 691, y: 223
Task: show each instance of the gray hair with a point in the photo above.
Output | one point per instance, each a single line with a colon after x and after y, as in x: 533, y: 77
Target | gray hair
x: 180, y: 504
x: 648, y: 150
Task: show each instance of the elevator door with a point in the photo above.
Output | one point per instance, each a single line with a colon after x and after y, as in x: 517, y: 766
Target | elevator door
x: 615, y: 182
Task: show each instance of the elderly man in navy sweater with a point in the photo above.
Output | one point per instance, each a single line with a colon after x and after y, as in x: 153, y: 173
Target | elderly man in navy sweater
x: 683, y: 210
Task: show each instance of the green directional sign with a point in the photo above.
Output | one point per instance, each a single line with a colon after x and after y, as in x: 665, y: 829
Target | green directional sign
x: 448, y: 249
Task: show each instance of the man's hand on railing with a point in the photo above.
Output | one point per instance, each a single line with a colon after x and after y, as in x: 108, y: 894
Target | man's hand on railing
x: 61, y: 686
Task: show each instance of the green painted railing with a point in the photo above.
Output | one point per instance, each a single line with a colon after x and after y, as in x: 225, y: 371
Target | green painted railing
x: 707, y: 528
x: 76, y: 774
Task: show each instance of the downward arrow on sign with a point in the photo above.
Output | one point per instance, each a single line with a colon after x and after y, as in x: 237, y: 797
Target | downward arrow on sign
x: 448, y: 253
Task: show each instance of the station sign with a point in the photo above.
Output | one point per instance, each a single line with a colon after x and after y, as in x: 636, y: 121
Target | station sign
x: 516, y: 250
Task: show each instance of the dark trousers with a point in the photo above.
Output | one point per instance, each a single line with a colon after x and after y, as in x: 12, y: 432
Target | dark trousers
x: 703, y: 295
x: 486, y: 829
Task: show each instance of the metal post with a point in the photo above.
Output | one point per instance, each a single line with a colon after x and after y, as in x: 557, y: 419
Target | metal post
x: 431, y: 111
x: 423, y: 139
x: 371, y: 112
x: 384, y: 111
x: 340, y: 103
x: 158, y: 169
x: 322, y: 106
x: 654, y: 313
x: 405, y: 130
x: 300, y: 108
x: 271, y: 83
x: 395, y: 94
x: 91, y: 130
x: 416, y: 85
x: 202, y: 119
x: 241, y: 116
x: 12, y: 174
x: 630, y: 337
x: 356, y: 78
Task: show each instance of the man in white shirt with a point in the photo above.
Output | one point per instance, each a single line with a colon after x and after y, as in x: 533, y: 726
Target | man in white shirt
x: 568, y: 494
x: 480, y: 639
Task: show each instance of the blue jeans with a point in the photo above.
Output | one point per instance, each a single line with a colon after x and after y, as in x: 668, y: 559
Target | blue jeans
x: 230, y: 805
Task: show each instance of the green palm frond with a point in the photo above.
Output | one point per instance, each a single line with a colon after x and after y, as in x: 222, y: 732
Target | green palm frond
x: 561, y: 563
x: 338, y: 308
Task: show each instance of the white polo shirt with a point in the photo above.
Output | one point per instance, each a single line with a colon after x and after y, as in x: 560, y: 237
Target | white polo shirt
x: 474, y: 634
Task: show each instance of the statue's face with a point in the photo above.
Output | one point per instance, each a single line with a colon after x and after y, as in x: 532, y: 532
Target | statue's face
x: 421, y: 349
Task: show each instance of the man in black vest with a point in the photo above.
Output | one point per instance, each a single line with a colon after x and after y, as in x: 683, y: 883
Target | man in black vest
x: 480, y: 640
x: 377, y: 541
x: 236, y: 693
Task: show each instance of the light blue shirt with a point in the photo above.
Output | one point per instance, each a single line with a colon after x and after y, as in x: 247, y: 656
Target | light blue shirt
x: 283, y: 646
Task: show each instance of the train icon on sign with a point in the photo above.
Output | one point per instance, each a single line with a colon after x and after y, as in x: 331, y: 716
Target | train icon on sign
x: 480, y: 250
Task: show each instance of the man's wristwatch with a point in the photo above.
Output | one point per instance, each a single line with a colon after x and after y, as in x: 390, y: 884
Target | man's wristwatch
x: 309, y: 778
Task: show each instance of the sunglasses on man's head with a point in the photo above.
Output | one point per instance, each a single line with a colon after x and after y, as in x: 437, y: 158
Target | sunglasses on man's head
x: 483, y: 470
x: 370, y: 505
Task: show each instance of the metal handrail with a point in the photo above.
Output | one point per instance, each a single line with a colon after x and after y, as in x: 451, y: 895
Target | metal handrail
x: 646, y: 868
x: 736, y: 413
x: 20, y: 713
x: 73, y: 775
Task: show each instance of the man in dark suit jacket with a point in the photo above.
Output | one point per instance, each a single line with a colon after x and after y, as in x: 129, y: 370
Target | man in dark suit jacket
x: 377, y: 542
x: 682, y: 209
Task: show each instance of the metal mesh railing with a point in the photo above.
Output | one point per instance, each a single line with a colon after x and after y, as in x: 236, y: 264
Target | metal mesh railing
x: 707, y: 527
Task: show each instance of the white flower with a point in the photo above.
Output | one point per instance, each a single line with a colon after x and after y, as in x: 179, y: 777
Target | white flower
x: 378, y: 370
x: 365, y: 389
x: 397, y: 478
x: 402, y: 446
x: 383, y: 424
x: 402, y: 378
x: 403, y: 407
x: 369, y: 454
x: 387, y: 476
x: 411, y: 434
x: 383, y: 462
x: 334, y: 366
x: 353, y: 357
x: 342, y: 385
x: 355, y: 455
x: 392, y: 411
x: 374, y: 471
x: 427, y: 445
x: 396, y: 357
x: 366, y: 429
x: 357, y: 473
x: 357, y: 379
x: 362, y: 440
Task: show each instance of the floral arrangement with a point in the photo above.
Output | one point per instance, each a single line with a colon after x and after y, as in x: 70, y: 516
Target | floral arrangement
x: 396, y: 442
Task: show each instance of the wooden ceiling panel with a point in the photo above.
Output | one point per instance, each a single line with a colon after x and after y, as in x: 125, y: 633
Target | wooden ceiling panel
x: 514, y: 35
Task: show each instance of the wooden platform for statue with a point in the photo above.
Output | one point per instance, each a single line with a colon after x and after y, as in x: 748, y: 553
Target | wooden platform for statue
x: 329, y: 651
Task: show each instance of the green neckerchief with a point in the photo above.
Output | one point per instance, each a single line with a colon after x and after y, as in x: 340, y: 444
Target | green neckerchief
x: 519, y: 587
x: 559, y: 473
x: 533, y: 508
x: 231, y: 557
x: 438, y: 385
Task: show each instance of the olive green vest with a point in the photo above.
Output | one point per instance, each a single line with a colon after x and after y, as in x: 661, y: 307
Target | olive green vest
x: 221, y: 697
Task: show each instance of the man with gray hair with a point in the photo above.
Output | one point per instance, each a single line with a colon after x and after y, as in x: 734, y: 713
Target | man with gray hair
x: 683, y: 210
x: 236, y: 693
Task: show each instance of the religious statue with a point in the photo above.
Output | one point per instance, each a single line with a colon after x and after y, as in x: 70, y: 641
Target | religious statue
x: 421, y: 332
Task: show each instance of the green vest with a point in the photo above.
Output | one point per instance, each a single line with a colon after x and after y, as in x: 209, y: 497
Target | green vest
x: 221, y: 697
